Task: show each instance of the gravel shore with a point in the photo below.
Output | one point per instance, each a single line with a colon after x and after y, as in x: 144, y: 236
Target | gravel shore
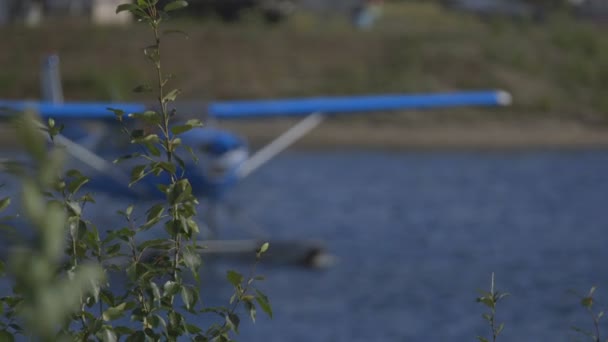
x: 483, y: 135
x: 478, y: 135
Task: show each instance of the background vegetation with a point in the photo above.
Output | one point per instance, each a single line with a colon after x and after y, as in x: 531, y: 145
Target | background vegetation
x: 556, y: 68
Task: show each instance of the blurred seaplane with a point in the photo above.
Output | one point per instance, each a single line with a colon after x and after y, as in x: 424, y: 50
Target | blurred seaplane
x: 223, y: 157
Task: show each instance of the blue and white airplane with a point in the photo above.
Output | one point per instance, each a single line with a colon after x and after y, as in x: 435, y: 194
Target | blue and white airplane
x: 224, y: 157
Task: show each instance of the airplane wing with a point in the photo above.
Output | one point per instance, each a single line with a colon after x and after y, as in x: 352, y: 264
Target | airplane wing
x: 318, y: 106
x: 353, y: 104
x: 72, y: 110
x: 283, y: 107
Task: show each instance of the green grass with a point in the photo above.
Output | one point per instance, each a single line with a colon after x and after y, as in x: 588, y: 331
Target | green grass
x: 557, y: 68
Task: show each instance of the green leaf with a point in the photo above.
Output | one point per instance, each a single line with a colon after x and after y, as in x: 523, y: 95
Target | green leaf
x: 119, y: 113
x: 233, y: 322
x: 107, y: 335
x: 263, y: 249
x: 171, y: 96
x: 193, y: 329
x: 153, y: 150
x: 137, y: 134
x: 112, y: 250
x: 179, y: 192
x: 171, y: 288
x: 73, y: 173
x: 123, y: 330
x: 192, y: 260
x: 263, y: 302
x: 251, y: 310
x: 587, y: 302
x: 129, y: 210
x: 146, y: 139
x: 157, y: 243
x: 5, y: 202
x: 114, y: 312
x: 192, y: 154
x: 175, y: 319
x: 126, y: 7
x: 154, y: 214
x: 234, y: 278
x: 125, y: 157
x: 500, y: 328
x: 175, y: 5
x: 488, y: 301
x: 75, y: 208
x: 190, y: 124
x: 155, y: 291
x: 150, y: 117
x: 482, y: 339
x: 54, y: 131
x: 189, y: 297
x: 194, y: 123
x: 142, y: 88
x: 137, y: 173
x: 180, y: 129
x: 76, y: 184
x: 169, y: 167
x: 157, y: 320
x: 137, y: 336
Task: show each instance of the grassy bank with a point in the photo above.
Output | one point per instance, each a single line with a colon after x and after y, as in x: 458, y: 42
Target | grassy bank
x: 557, y: 69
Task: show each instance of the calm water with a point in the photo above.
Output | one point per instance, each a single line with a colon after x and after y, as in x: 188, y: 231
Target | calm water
x: 417, y: 234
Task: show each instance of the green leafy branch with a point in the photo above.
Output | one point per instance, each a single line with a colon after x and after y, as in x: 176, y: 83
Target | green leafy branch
x: 245, y: 293
x: 46, y: 295
x: 491, y: 299
x: 587, y: 302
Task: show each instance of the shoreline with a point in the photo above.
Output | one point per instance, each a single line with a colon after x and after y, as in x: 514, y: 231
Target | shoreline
x: 478, y: 135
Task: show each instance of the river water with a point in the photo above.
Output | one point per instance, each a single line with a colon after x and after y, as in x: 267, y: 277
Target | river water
x: 416, y: 235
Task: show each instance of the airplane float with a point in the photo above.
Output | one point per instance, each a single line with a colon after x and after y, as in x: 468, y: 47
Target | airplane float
x: 223, y: 157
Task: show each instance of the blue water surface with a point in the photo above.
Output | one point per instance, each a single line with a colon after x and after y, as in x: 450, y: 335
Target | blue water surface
x: 416, y: 234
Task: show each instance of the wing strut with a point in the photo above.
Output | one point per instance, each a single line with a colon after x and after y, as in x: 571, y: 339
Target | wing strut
x: 89, y: 158
x: 280, y: 144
